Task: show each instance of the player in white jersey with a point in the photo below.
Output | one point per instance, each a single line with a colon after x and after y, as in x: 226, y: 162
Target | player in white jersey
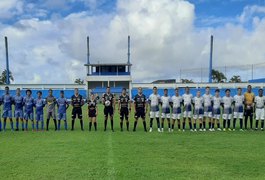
x: 154, y: 100
x: 259, y: 106
x: 177, y: 102
x: 217, y: 101
x: 227, y: 102
x: 198, y: 109
x: 238, y: 109
x: 187, y: 100
x: 208, y: 108
x: 165, y: 103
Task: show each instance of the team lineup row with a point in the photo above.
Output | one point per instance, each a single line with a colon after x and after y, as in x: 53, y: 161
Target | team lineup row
x: 198, y: 108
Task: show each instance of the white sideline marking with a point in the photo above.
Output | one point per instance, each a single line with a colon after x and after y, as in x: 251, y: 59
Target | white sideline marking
x: 110, y: 162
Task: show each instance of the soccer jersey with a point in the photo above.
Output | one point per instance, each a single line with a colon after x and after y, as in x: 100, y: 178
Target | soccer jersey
x: 39, y: 104
x: 187, y: 99
x: 108, y: 97
x: 18, y: 100
x: 227, y: 101
x: 198, y: 103
x: 208, y: 100
x: 260, y: 101
x: 7, y: 102
x: 124, y: 101
x: 154, y: 100
x: 249, y: 98
x: 62, y: 102
x: 92, y: 104
x: 165, y: 100
x: 77, y: 101
x: 176, y: 100
x: 239, y: 103
x: 140, y: 101
x: 29, y: 104
x: 51, y: 101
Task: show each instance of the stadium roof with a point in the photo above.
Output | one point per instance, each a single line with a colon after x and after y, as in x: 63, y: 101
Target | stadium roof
x: 109, y: 64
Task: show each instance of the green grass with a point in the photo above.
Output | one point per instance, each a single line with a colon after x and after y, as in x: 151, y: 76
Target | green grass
x: 131, y: 155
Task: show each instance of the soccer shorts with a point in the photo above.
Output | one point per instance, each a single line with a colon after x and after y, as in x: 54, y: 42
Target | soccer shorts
x: 92, y: 113
x: 198, y: 114
x: 51, y: 115
x: 208, y: 112
x: 187, y: 114
x: 108, y: 110
x: 124, y: 112
x: 216, y: 113
x: 154, y: 114
x: 238, y: 115
x: 18, y: 114
x: 248, y: 111
x: 77, y: 111
x: 39, y: 117
x: 29, y: 116
x: 62, y: 116
x: 140, y: 113
x: 7, y: 114
x: 176, y: 114
x: 166, y: 113
x: 259, y: 113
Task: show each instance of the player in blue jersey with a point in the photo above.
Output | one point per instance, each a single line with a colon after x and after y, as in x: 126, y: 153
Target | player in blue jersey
x: 7, y: 100
x: 62, y: 105
x: 29, y: 104
x: 39, y: 104
x: 18, y: 101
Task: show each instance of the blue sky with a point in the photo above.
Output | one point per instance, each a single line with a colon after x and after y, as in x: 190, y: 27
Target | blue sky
x: 51, y: 34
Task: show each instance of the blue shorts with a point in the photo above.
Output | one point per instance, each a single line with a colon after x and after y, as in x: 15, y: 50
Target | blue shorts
x: 7, y: 114
x: 28, y: 116
x: 39, y: 117
x: 18, y: 113
x: 62, y: 116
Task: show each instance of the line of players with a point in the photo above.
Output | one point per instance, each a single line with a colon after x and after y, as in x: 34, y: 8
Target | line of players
x: 24, y: 109
x: 200, y: 107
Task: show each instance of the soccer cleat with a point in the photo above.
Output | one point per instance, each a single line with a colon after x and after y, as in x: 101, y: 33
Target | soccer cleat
x: 224, y: 129
x: 229, y: 129
x: 241, y: 130
x: 17, y: 129
x: 219, y: 129
x: 179, y: 130
x: 200, y: 130
x: 172, y: 130
x: 204, y: 129
x: 159, y: 130
x: 162, y: 130
x: 213, y: 130
x: 151, y: 129
x: 262, y: 129
x: 183, y: 130
x: 191, y: 130
x: 210, y: 129
x: 169, y: 130
x: 195, y: 130
x: 256, y: 129
x: 234, y: 129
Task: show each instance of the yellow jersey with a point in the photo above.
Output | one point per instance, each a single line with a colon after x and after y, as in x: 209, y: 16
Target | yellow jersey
x: 249, y: 98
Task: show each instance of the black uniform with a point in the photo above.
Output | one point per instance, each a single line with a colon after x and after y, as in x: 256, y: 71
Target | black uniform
x: 108, y: 110
x: 140, y: 101
x: 77, y: 102
x: 92, y: 105
x: 124, y: 102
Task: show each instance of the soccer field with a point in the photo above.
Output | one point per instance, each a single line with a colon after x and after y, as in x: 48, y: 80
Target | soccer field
x: 131, y: 155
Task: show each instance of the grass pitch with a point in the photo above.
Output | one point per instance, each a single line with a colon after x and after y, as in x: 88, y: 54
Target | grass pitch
x: 130, y: 155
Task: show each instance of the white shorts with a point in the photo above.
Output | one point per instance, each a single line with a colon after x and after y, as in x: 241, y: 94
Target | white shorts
x: 238, y: 115
x: 164, y: 115
x: 216, y: 116
x: 187, y: 114
x: 260, y: 114
x: 208, y: 114
x: 176, y: 116
x: 154, y: 114
x: 198, y: 116
x: 227, y: 116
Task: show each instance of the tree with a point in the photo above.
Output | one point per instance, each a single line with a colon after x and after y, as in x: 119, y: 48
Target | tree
x: 3, y: 77
x: 218, y: 76
x: 79, y: 81
x: 186, y: 81
x: 235, y: 79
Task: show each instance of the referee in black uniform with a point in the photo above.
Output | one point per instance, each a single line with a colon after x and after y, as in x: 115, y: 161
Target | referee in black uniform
x: 108, y: 100
x: 77, y: 103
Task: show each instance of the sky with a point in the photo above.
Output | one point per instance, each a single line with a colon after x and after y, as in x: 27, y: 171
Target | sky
x: 47, y: 38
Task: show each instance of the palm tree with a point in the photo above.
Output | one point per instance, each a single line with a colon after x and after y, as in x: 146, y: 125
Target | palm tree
x: 186, y: 81
x: 79, y: 81
x: 3, y: 77
x: 235, y: 79
x: 218, y: 76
